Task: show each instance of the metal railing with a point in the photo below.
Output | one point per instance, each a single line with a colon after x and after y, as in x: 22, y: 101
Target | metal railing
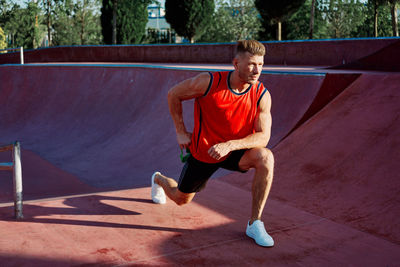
x: 16, y: 167
x: 21, y: 52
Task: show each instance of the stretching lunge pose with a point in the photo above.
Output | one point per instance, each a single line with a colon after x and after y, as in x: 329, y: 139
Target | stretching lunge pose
x: 231, y: 130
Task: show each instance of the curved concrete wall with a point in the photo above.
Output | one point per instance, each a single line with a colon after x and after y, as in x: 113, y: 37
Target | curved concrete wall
x: 314, y: 53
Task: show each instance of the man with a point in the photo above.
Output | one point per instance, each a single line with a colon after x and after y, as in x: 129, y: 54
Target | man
x: 232, y: 129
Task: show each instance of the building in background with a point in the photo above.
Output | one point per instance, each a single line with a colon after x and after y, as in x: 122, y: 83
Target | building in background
x: 157, y: 28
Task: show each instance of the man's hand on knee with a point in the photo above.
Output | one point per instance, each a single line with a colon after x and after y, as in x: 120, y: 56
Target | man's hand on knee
x: 219, y: 151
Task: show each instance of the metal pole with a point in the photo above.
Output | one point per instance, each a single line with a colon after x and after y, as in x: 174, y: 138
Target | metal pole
x: 21, y: 52
x: 17, y: 181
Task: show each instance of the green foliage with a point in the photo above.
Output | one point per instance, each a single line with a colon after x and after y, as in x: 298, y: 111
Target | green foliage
x: 189, y: 18
x: 87, y: 22
x: 336, y: 19
x: 106, y: 21
x: 276, y: 11
x: 4, y: 11
x: 384, y: 18
x: 394, y: 16
x: 233, y: 20
x: 361, y: 16
x: 131, y: 20
x: 298, y: 25
x: 63, y: 24
x: 384, y: 21
x: 76, y: 23
x: 24, y: 26
x: 72, y: 22
x: 343, y: 16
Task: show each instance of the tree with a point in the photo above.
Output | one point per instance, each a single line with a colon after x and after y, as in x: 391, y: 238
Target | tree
x: 47, y: 6
x: 297, y: 26
x: 63, y: 24
x: 4, y: 11
x: 393, y: 11
x: 76, y: 22
x: 87, y: 22
x: 277, y: 11
x: 311, y: 31
x: 24, y: 25
x: 108, y: 20
x: 376, y: 21
x: 189, y: 18
x: 233, y: 20
x: 377, y: 4
x: 114, y: 21
x: 132, y: 17
x: 343, y: 16
x: 129, y: 17
x: 4, y: 18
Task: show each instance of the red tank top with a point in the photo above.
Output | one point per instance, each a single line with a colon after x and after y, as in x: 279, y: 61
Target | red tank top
x: 221, y: 115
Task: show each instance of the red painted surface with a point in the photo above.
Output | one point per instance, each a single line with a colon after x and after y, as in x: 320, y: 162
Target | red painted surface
x: 311, y: 53
x: 334, y: 201
x: 333, y: 85
x: 119, y: 116
x: 125, y: 229
x: 41, y: 179
x: 342, y: 164
x: 95, y: 123
x: 386, y: 59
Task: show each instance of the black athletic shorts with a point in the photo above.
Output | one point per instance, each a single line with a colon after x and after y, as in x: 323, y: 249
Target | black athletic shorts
x: 195, y: 174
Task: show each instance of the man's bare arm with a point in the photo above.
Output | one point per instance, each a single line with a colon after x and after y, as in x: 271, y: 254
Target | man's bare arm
x: 185, y: 90
x: 260, y: 138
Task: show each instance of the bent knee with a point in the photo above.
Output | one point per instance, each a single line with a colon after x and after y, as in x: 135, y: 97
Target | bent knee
x: 182, y: 201
x: 184, y: 198
x: 263, y: 157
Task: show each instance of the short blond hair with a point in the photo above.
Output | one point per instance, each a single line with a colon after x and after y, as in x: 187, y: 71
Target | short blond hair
x: 252, y: 46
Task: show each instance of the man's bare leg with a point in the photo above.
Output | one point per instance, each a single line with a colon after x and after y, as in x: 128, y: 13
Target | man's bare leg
x: 261, y: 187
x: 170, y: 187
x: 262, y: 160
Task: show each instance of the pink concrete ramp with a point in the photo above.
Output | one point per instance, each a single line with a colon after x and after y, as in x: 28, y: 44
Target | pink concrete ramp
x: 293, y: 105
x: 93, y: 135
x: 109, y: 126
x: 123, y: 228
x: 283, y: 53
x: 343, y: 163
x: 41, y: 179
x: 385, y: 59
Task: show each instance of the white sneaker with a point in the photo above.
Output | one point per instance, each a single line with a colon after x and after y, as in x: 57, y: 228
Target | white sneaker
x: 257, y: 231
x: 157, y: 192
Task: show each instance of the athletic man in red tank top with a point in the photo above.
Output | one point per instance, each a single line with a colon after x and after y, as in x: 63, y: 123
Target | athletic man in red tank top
x: 232, y: 129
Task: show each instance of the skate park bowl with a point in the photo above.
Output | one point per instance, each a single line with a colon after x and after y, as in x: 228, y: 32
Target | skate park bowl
x: 93, y: 124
